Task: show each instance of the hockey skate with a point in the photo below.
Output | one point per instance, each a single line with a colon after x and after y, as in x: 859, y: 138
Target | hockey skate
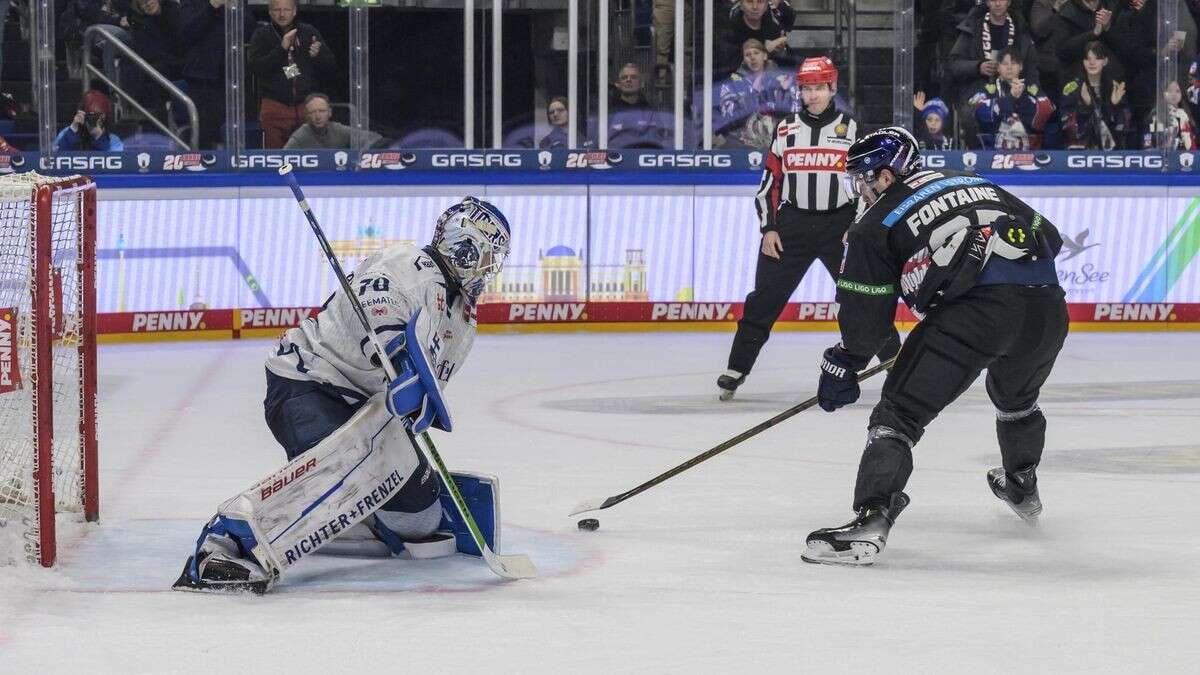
x: 1018, y: 490
x: 221, y: 564
x: 728, y: 383
x: 858, y: 542
x: 222, y: 574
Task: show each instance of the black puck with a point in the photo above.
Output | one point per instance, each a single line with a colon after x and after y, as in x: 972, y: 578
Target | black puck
x: 589, y: 524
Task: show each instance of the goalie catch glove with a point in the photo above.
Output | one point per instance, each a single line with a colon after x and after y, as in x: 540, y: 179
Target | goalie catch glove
x: 414, y: 395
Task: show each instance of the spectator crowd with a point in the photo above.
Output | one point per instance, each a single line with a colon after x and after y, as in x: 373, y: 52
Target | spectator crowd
x: 1055, y: 74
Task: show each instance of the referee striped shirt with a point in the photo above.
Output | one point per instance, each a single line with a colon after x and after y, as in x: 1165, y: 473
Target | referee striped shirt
x: 805, y: 164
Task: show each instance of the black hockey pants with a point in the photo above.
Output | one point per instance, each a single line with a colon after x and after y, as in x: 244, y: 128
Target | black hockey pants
x: 301, y: 414
x: 807, y: 236
x: 1013, y: 332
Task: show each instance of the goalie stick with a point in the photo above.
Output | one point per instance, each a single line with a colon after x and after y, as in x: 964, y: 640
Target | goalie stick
x: 507, y: 566
x: 602, y: 503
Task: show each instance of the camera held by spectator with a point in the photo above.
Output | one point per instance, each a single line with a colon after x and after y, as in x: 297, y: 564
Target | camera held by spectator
x: 88, y: 129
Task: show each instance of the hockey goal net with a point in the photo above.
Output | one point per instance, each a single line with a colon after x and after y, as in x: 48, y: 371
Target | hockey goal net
x: 47, y: 360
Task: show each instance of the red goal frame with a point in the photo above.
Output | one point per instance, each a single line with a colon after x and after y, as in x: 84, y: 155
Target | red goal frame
x: 46, y: 328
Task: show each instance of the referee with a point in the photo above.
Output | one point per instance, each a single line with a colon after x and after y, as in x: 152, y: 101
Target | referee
x: 803, y: 210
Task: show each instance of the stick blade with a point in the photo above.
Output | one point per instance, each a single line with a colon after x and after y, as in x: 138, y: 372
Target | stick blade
x: 587, y: 505
x: 512, y: 566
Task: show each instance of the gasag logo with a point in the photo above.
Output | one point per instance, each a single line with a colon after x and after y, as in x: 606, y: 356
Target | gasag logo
x: 477, y: 160
x: 1115, y: 161
x: 931, y: 161
x: 82, y: 163
x: 392, y: 161
x: 189, y: 161
x: 305, y: 161
x: 686, y: 161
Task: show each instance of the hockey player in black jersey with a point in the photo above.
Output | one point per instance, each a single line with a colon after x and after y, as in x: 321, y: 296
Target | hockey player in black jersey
x: 978, y: 265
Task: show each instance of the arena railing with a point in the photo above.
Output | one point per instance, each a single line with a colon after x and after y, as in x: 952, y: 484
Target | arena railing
x: 576, y: 48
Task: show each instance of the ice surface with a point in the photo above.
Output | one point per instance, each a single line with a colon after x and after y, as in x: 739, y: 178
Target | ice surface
x: 700, y: 574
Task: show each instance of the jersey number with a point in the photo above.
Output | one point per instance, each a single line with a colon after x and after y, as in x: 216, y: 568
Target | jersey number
x: 379, y: 284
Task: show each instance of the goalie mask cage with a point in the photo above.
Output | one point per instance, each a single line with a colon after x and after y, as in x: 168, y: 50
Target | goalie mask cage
x: 47, y: 360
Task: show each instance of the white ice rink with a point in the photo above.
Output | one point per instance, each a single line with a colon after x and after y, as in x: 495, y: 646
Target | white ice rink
x: 700, y: 574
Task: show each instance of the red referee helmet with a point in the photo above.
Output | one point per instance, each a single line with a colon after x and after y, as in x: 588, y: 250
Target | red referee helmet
x: 817, y: 70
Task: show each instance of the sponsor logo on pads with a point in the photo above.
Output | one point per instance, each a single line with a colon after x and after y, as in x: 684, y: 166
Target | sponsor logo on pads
x: 272, y: 487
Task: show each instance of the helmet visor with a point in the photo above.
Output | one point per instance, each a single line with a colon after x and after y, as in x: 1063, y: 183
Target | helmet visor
x: 861, y: 185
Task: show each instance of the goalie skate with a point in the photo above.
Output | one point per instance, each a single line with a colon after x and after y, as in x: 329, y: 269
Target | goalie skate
x: 859, y: 542
x: 1018, y: 490
x: 222, y: 574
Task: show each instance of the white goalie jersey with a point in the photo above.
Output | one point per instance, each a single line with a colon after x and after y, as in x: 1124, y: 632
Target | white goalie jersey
x: 330, y: 347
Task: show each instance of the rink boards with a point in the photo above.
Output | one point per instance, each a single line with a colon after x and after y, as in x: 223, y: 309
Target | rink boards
x: 588, y: 257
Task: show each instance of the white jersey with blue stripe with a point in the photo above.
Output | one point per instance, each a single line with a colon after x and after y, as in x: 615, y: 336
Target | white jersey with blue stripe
x: 331, y: 348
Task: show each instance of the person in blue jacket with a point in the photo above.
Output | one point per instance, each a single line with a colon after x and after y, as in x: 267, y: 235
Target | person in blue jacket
x: 88, y: 131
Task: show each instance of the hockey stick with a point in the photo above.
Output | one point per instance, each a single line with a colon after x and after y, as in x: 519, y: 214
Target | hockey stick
x: 598, y: 504
x: 507, y: 566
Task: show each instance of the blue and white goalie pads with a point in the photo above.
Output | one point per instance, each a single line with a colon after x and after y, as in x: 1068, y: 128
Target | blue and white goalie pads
x: 415, y: 394
x: 482, y: 494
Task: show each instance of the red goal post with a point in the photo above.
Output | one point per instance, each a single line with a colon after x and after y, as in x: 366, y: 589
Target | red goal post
x: 48, y: 459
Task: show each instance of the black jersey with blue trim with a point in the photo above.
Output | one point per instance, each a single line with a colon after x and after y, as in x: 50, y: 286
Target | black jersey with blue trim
x: 897, y: 226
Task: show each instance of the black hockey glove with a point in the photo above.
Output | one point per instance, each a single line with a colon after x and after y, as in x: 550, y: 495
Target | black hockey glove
x: 839, y: 378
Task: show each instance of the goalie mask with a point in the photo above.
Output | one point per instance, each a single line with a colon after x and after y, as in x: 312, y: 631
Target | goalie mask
x: 472, y: 238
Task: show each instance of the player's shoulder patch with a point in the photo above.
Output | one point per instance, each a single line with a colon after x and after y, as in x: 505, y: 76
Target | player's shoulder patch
x: 1034, y: 90
x: 990, y: 87
x: 735, y: 77
x: 423, y: 262
x: 1071, y: 87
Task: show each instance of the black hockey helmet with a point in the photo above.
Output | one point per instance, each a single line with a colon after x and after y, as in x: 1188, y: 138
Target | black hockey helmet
x: 889, y: 148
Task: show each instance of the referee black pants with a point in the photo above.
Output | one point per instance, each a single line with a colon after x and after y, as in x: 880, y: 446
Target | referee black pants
x: 807, y: 236
x: 1012, y: 332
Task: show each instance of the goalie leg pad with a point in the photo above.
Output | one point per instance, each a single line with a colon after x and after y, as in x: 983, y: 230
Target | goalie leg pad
x: 482, y: 494
x: 340, y: 482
